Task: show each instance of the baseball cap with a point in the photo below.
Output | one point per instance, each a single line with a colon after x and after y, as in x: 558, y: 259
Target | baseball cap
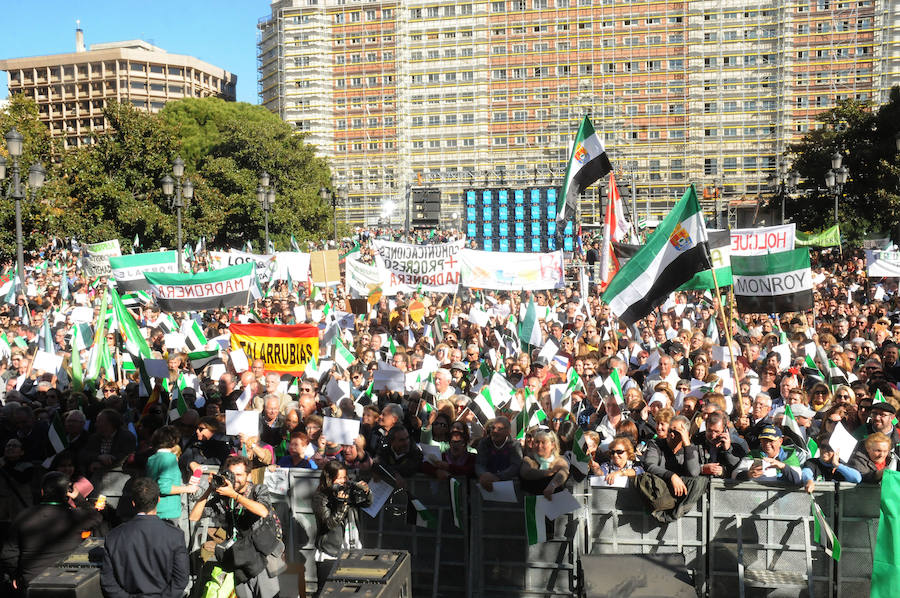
x: 770, y: 432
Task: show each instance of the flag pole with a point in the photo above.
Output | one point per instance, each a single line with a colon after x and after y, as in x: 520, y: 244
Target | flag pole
x: 737, y: 383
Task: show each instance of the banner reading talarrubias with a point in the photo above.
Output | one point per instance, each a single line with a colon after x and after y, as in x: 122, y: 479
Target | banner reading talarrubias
x: 760, y: 241
x: 511, y: 271
x: 216, y: 289
x: 128, y: 270
x: 405, y: 267
x: 883, y: 263
x: 96, y: 257
x: 223, y: 259
x: 284, y: 349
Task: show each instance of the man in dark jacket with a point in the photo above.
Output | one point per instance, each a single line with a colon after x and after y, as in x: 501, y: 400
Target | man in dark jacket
x: 45, y: 533
x: 719, y: 452
x: 499, y: 455
x: 144, y: 556
x: 399, y: 457
x: 673, y: 458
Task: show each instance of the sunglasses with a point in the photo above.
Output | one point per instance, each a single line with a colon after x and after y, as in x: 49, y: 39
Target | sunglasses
x: 618, y: 452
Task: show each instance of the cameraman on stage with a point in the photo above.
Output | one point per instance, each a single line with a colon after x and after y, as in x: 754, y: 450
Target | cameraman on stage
x: 335, y: 505
x: 242, y: 509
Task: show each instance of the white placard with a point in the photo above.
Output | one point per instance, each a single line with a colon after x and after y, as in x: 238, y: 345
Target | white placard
x: 504, y: 491
x: 174, y: 340
x: 241, y: 422
x: 156, y: 368
x: 339, y: 430
x: 842, y: 442
x: 381, y: 492
x: 561, y: 504
x: 47, y: 362
x: 239, y: 360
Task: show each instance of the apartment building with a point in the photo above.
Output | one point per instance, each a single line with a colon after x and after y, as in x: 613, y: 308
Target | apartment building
x: 72, y: 89
x: 461, y: 94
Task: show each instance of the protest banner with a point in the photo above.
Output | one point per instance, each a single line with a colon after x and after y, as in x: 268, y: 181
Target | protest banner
x: 291, y: 263
x: 883, y: 263
x: 360, y: 278
x: 96, y: 257
x: 774, y: 282
x: 405, y: 267
x: 216, y: 289
x: 767, y: 239
x: 128, y: 270
x: 224, y: 259
x: 284, y: 349
x: 511, y: 271
x: 829, y: 237
x: 325, y: 267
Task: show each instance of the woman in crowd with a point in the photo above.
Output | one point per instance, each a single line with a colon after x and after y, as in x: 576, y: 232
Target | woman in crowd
x: 544, y: 471
x: 874, y: 459
x: 162, y: 466
x: 621, y: 465
x: 335, y: 504
x: 457, y: 461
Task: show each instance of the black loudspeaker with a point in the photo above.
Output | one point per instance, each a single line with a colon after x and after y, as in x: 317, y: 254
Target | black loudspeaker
x: 426, y: 208
x: 370, y: 573
x: 88, y: 554
x: 636, y: 576
x: 59, y: 582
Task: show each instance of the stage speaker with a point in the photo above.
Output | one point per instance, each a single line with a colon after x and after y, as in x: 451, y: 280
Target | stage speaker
x: 365, y: 571
x: 59, y: 582
x: 636, y: 576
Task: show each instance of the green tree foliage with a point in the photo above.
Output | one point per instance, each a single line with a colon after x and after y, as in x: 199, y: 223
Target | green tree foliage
x: 111, y: 189
x: 865, y: 137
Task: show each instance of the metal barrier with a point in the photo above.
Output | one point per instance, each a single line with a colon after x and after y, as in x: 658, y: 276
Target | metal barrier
x: 759, y: 537
x: 618, y: 523
x: 440, y: 556
x: 858, y: 509
x: 502, y: 562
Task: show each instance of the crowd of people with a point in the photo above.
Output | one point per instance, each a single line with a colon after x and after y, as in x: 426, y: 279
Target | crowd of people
x: 808, y: 397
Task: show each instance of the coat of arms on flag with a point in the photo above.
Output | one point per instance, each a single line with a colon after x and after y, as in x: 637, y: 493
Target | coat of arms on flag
x: 581, y: 154
x: 680, y: 239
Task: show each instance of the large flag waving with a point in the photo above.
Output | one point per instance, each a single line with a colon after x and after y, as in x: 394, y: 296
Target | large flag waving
x: 673, y: 254
x: 216, y: 289
x: 615, y: 229
x: 587, y: 164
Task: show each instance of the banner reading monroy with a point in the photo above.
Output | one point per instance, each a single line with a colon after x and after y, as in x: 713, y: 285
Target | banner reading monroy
x: 284, y: 349
x: 216, y: 289
x: 405, y: 267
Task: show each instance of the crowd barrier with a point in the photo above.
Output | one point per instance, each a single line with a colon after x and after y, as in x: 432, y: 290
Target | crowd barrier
x: 742, y: 539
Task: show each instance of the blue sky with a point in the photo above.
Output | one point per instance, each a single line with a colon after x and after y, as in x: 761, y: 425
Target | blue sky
x: 221, y: 32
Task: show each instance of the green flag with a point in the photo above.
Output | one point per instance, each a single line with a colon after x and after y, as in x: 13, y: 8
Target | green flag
x: 829, y: 237
x: 886, y: 559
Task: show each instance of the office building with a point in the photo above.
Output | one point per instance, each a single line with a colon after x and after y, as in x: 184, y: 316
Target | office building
x: 454, y: 95
x: 72, y: 89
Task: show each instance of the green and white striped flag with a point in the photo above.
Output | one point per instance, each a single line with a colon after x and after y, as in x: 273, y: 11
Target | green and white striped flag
x: 530, y: 334
x: 342, y: 356
x: 311, y: 370
x: 823, y: 534
x: 791, y: 422
x: 812, y: 447
x: 193, y: 334
x: 57, y: 434
x: 773, y: 282
x: 612, y: 386
x: 582, y: 460
x: 483, y: 406
x: 456, y: 502
x: 672, y: 255
x: 420, y: 515
x: 294, y: 246
x: 177, y: 404
x: 535, y: 520
x: 587, y: 164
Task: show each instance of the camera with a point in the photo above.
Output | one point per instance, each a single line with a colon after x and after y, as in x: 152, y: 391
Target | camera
x: 218, y: 479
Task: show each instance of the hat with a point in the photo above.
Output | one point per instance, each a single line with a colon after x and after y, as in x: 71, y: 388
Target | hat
x: 770, y: 432
x: 458, y: 365
x: 883, y: 406
x: 540, y: 361
x: 676, y: 348
x: 801, y: 410
x: 659, y: 397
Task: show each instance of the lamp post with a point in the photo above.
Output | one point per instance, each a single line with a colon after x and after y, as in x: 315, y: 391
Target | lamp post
x: 788, y: 187
x: 266, y: 198
x: 835, y: 179
x: 183, y: 191
x: 15, y: 145
x: 324, y: 194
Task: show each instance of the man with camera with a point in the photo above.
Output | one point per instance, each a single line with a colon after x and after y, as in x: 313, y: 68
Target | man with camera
x: 242, y: 509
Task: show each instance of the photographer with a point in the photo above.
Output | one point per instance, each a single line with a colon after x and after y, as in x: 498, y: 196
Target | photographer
x: 719, y: 451
x: 242, y: 509
x: 335, y: 505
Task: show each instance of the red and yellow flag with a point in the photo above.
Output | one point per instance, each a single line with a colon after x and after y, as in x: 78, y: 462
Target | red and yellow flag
x: 284, y: 349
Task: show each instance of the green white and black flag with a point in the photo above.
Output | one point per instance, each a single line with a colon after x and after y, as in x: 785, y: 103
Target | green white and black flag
x: 673, y: 254
x: 128, y: 270
x: 720, y: 256
x: 217, y: 289
x: 587, y: 164
x: 774, y: 282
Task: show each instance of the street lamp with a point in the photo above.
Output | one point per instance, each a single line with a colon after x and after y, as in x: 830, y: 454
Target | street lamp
x: 266, y: 198
x: 183, y: 191
x: 324, y: 193
x: 15, y: 143
x: 835, y: 180
x: 788, y: 187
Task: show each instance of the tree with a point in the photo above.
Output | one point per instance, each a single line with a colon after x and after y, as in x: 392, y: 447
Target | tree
x: 865, y: 137
x: 111, y: 189
x: 229, y: 144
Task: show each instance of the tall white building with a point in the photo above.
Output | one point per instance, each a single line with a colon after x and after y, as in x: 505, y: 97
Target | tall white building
x: 457, y: 94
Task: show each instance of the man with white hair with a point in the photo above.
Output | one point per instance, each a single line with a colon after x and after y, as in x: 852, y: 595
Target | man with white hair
x: 666, y: 373
x: 442, y: 386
